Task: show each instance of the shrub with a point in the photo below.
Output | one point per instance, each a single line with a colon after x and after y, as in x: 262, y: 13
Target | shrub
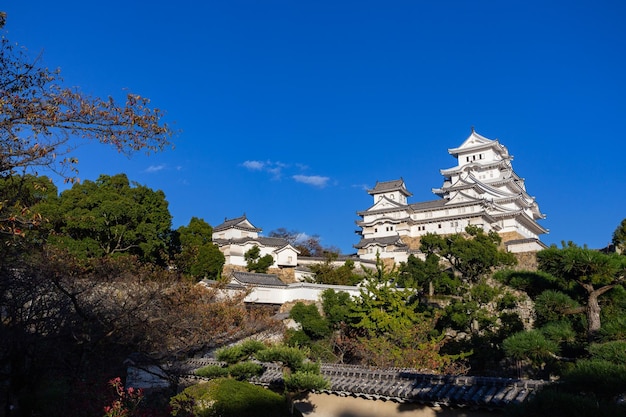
x: 559, y: 332
x: 550, y: 402
x: 291, y: 357
x: 553, y: 306
x: 602, y: 378
x: 304, y: 381
x: 245, y: 370
x: 240, y: 352
x: 531, y: 345
x: 614, y: 352
x: 212, y: 371
x: 228, y: 398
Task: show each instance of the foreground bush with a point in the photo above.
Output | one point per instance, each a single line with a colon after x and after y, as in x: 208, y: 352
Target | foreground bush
x: 228, y: 398
x: 554, y: 403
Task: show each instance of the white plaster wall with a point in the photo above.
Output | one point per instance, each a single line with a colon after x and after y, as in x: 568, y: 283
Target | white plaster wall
x: 293, y: 292
x: 286, y: 257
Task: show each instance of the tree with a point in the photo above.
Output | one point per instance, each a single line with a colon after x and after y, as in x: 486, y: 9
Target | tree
x: 109, y: 217
x: 619, y: 237
x: 390, y: 329
x: 305, y: 244
x: 257, y: 263
x: 336, y: 306
x: 427, y: 276
x: 472, y: 255
x: 19, y: 193
x: 41, y: 119
x: 197, y: 255
x: 299, y: 373
x: 312, y: 324
x: 594, y: 272
x: 65, y: 322
x: 327, y: 273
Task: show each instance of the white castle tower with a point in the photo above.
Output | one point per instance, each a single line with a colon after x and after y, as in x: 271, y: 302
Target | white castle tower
x: 482, y: 190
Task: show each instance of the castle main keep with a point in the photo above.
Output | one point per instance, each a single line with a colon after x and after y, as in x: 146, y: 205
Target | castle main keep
x: 482, y: 190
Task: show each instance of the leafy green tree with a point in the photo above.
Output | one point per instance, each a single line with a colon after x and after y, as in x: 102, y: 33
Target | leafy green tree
x: 614, y: 315
x: 382, y: 308
x: 336, y: 306
x: 592, y: 271
x: 472, y: 255
x: 310, y: 319
x: 198, y: 256
x: 532, y: 345
x: 257, y: 263
x: 110, y: 216
x: 427, y: 276
x: 42, y: 120
x: 326, y: 273
x: 532, y: 283
x: 390, y: 328
x: 553, y: 306
x: 619, y: 237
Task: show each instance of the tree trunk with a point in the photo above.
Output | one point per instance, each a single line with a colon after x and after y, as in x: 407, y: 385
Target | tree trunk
x: 593, y: 309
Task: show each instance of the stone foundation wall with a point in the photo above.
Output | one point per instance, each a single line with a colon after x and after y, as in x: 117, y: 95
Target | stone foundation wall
x: 526, y: 261
x: 286, y: 275
x: 413, y: 242
x: 228, y: 269
x: 507, y: 236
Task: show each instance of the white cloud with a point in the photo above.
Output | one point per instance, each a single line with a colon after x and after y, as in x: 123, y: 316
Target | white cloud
x: 254, y: 165
x: 276, y: 168
x: 315, y: 180
x: 363, y: 187
x: 155, y: 168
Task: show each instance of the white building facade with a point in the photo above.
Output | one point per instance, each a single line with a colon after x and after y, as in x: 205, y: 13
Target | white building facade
x: 237, y: 236
x: 481, y: 190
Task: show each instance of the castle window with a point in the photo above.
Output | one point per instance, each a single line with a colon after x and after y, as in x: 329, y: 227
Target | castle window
x: 439, y: 225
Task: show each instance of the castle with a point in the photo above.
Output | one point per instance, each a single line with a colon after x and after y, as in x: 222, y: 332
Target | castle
x: 482, y: 190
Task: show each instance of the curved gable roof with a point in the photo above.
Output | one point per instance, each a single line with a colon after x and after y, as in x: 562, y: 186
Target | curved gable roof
x: 388, y: 186
x: 241, y: 223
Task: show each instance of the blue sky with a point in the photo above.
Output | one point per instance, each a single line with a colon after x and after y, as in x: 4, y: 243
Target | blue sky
x: 289, y: 110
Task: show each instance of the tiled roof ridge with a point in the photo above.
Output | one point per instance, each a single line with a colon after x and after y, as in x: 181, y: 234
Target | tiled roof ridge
x: 404, y: 385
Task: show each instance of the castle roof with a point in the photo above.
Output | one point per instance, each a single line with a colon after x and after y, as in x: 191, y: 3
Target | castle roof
x: 381, y: 241
x: 250, y: 278
x: 476, y: 142
x: 241, y: 223
x: 272, y: 242
x: 388, y: 186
